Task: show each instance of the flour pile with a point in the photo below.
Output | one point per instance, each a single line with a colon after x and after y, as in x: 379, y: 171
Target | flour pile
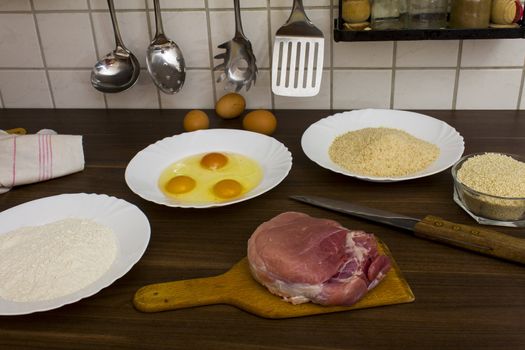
x: 53, y: 260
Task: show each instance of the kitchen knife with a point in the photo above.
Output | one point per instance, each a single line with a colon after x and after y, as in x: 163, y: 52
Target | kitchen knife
x: 480, y: 240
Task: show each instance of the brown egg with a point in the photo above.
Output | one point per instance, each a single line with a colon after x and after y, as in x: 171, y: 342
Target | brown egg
x: 196, y: 120
x: 230, y: 106
x: 261, y: 121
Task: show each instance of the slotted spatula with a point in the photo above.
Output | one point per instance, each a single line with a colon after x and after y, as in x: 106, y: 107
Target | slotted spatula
x: 298, y: 53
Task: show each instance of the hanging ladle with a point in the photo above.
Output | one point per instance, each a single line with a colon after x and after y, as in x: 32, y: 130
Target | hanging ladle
x: 119, y: 69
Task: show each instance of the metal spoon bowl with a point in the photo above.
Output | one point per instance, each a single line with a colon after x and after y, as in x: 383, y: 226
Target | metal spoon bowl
x: 164, y: 59
x: 119, y: 69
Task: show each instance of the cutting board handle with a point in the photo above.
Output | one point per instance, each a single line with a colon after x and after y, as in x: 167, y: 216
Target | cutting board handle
x: 183, y: 294
x: 481, y: 240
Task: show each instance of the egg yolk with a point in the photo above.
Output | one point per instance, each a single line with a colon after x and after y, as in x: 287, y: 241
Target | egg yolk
x: 180, y: 184
x: 214, y: 161
x: 227, y: 188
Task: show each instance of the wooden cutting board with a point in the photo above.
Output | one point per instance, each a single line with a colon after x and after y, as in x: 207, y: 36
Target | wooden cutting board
x: 237, y: 287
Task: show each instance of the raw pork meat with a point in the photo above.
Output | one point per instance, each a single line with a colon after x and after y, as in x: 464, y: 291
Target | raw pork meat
x: 302, y: 259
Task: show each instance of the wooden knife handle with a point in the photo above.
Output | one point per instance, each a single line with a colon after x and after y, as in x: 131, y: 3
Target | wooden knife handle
x: 182, y: 294
x: 481, y: 240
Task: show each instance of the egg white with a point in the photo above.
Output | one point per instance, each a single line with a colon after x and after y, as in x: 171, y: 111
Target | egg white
x: 240, y: 168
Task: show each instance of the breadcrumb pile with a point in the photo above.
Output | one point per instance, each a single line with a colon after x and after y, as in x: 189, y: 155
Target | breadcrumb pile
x: 495, y: 174
x: 382, y: 152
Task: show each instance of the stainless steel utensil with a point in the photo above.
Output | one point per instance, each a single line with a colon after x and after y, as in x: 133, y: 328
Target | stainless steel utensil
x: 298, y: 53
x: 239, y: 68
x: 476, y: 239
x: 164, y: 59
x: 119, y: 69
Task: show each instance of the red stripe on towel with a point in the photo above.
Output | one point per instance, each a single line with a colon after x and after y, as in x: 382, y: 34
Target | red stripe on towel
x: 46, y: 158
x: 14, y: 160
x: 48, y: 153
x: 39, y: 158
x: 50, y: 157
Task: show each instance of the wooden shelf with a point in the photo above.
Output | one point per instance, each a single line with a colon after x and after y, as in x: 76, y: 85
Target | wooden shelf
x: 341, y: 34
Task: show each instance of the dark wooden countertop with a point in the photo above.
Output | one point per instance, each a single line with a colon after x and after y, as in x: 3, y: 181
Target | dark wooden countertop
x: 463, y: 300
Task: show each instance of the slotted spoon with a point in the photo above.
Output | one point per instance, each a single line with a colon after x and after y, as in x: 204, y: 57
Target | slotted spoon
x: 239, y: 68
x: 298, y: 53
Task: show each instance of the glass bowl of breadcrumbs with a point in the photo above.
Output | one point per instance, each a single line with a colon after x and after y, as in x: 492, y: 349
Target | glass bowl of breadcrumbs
x: 490, y: 187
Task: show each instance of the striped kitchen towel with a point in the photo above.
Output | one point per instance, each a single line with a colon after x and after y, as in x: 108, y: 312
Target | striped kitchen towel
x: 27, y: 159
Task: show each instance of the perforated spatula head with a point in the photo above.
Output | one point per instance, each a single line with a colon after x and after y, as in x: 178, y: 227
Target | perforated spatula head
x: 298, y: 54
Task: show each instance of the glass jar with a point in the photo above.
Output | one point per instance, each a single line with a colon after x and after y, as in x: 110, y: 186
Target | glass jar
x: 386, y: 15
x: 427, y: 14
x: 470, y: 13
x: 356, y: 11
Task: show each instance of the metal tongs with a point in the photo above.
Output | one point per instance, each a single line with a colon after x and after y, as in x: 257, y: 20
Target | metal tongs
x: 239, y: 67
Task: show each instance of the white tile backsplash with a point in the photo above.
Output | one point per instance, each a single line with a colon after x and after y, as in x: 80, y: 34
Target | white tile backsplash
x: 197, y: 92
x: 25, y: 89
x: 190, y: 31
x: 288, y: 3
x: 366, y: 88
x: 60, y: 4
x: 424, y: 89
x: 255, y: 27
x: 229, y: 4
x: 363, y: 54
x: 492, y: 53
x: 488, y: 89
x: 179, y: 4
x: 72, y: 89
x: 18, y: 31
x: 67, y: 40
x: 119, y: 4
x: 427, y: 53
x: 321, y: 101
x: 15, y: 5
x: 60, y: 41
x: 141, y: 95
x: 133, y: 28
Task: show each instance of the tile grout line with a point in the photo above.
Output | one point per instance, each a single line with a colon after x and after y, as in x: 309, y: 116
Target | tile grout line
x: 210, y: 51
x: 456, y: 79
x: 393, y: 78
x: 42, y: 54
x: 520, y: 92
x: 428, y: 68
x: 95, y: 41
x: 270, y: 50
x: 150, y: 32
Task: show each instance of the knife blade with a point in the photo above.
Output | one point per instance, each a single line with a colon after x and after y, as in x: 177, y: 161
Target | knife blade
x: 481, y: 240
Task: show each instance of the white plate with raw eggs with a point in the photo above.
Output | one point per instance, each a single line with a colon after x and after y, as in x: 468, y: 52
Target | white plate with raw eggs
x: 208, y: 168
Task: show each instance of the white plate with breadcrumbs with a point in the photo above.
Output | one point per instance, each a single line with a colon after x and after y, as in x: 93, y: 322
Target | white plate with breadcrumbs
x: 143, y: 171
x: 318, y: 138
x: 130, y: 227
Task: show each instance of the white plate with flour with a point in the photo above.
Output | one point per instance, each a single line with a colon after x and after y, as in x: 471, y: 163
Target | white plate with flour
x: 318, y: 138
x: 127, y: 223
